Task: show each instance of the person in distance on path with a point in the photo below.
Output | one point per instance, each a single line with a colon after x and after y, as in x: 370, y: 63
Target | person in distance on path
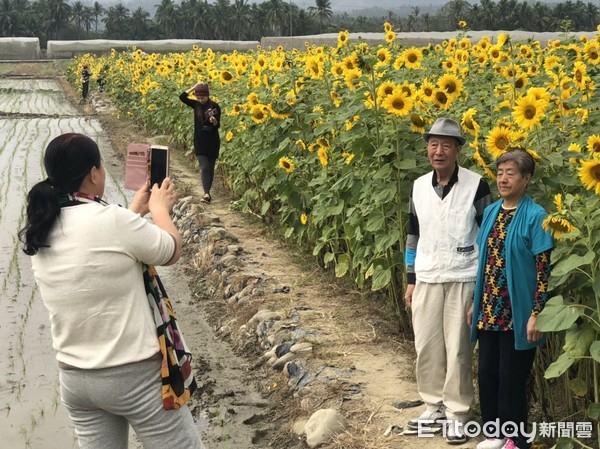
x: 207, y: 120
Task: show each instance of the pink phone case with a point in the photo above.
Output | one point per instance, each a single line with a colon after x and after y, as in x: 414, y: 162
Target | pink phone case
x: 137, y: 165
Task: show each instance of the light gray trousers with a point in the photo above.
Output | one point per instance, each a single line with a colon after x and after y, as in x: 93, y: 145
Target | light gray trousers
x: 102, y: 403
x: 444, y: 349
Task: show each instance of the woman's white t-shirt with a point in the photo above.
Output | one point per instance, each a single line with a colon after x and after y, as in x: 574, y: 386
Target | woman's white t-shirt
x: 91, y: 282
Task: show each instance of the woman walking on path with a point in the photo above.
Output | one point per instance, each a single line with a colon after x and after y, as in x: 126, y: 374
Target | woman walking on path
x: 207, y: 120
x: 510, y: 291
x: 88, y: 260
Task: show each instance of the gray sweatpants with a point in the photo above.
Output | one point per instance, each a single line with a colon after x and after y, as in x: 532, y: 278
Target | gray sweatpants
x: 102, y: 403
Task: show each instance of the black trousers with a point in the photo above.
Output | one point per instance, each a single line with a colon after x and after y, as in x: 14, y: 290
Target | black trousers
x: 85, y: 88
x: 207, y: 171
x: 503, y: 373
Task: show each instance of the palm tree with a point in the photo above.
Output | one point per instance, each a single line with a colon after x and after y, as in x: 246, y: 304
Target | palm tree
x: 57, y: 14
x: 98, y: 11
x: 275, y: 13
x: 116, y: 20
x: 322, y: 11
x: 87, y: 19
x: 194, y: 17
x: 240, y: 17
x: 165, y: 18
x: 8, y: 18
x: 220, y: 18
x: 139, y: 23
x: 77, y: 16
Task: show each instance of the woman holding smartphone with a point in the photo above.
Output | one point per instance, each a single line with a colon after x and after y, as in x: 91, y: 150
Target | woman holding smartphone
x: 87, y: 260
x: 207, y: 120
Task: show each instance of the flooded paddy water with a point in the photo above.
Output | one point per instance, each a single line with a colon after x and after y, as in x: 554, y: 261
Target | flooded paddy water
x: 32, y: 112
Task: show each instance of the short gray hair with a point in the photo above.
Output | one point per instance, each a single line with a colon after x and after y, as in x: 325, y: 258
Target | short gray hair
x: 524, y: 160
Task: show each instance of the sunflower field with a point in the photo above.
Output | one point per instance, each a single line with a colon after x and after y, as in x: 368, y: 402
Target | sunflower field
x: 325, y: 143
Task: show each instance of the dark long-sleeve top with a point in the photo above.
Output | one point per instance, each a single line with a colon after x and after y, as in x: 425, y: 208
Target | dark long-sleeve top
x: 206, y: 135
x: 482, y: 199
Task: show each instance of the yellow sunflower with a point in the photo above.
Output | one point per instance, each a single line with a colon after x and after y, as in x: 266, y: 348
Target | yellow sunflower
x: 343, y: 38
x: 469, y: 124
x: 387, y: 27
x: 229, y: 136
x: 552, y: 62
x: 558, y: 202
x: 557, y: 225
x: 390, y: 37
x: 449, y: 65
x: 352, y: 78
x: 591, y: 52
x: 441, y: 100
x: 482, y: 59
x: 226, y: 77
x: 417, y: 123
x: 528, y: 112
x: 398, y: 62
x: 303, y: 218
x: 252, y: 98
x: 335, y: 98
x: 589, y: 173
x: 383, y: 57
x: 451, y: 85
x: 498, y: 141
x: 408, y: 88
x: 323, y: 157
x: 462, y: 24
x: 385, y: 89
x: 314, y: 68
x: 412, y: 58
x: 521, y: 81
x: 495, y: 53
x: 337, y: 70
x: 259, y: 113
x: 398, y: 103
x: 350, y: 62
x: 427, y: 91
x: 593, y: 144
x: 479, y: 159
x: 287, y: 164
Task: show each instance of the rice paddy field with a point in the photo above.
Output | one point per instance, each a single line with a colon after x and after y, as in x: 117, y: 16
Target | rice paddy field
x: 32, y: 112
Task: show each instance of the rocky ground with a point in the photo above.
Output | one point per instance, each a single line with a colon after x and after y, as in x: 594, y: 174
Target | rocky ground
x: 285, y: 338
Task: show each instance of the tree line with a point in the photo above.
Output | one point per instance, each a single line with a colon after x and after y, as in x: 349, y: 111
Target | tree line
x: 242, y: 20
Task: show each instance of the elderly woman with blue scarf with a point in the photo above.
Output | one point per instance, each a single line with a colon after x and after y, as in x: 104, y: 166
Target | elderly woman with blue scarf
x: 510, y: 291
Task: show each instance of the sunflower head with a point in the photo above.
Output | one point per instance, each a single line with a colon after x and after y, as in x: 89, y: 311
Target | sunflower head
x: 259, y: 113
x: 398, y: 103
x: 589, y: 173
x: 343, y: 38
x: 557, y: 225
x: 417, y: 123
x: 286, y: 164
x: 593, y: 144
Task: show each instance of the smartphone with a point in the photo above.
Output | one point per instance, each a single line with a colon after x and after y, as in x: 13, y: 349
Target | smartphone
x: 159, y: 164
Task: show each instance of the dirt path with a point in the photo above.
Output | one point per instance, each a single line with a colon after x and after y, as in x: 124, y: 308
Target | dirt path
x: 243, y: 403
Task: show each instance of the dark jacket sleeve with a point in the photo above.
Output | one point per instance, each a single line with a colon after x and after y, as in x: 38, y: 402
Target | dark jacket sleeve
x: 185, y: 99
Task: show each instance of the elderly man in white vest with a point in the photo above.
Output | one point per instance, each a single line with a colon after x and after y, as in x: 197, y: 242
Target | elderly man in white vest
x: 446, y: 208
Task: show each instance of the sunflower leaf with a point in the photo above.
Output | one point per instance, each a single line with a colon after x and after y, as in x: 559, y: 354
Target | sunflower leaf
x: 557, y: 316
x: 572, y: 262
x: 562, y: 364
x: 381, y: 278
